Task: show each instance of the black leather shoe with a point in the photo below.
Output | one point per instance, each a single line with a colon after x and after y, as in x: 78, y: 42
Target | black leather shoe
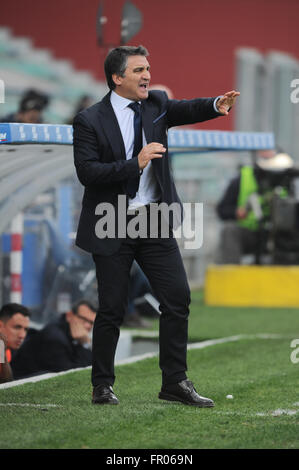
x: 103, y: 395
x: 185, y: 393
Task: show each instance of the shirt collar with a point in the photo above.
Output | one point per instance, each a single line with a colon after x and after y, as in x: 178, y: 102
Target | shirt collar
x: 119, y: 102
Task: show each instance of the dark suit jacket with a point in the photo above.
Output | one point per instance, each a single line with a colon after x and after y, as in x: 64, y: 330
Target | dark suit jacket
x: 101, y: 163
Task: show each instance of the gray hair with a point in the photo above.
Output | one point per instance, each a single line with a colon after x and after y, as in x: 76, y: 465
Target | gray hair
x: 116, y: 61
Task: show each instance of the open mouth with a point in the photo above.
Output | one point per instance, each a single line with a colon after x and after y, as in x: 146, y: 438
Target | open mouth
x: 144, y: 85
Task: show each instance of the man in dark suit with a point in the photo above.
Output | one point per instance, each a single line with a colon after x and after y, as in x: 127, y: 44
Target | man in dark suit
x: 62, y: 344
x: 121, y: 157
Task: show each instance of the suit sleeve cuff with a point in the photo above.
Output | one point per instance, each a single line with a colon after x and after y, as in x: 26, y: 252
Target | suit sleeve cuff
x: 214, y: 104
x: 133, y: 169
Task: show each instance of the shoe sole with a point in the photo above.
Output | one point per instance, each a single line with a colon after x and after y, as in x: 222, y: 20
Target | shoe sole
x: 168, y: 397
x: 94, y: 402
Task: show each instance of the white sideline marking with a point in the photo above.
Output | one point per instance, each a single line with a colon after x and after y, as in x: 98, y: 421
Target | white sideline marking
x: 34, y: 405
x: 38, y: 378
x: 141, y: 357
x: 278, y: 412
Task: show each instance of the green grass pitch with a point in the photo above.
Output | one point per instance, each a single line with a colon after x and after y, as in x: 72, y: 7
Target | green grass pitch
x: 258, y: 372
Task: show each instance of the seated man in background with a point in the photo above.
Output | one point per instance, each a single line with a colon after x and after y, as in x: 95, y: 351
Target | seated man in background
x: 247, y: 204
x: 61, y: 345
x: 30, y: 110
x: 14, y: 324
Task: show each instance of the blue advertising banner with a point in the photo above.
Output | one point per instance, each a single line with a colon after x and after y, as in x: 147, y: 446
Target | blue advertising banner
x: 177, y: 139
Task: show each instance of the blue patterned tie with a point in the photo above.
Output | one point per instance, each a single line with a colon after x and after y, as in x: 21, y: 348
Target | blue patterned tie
x: 133, y: 183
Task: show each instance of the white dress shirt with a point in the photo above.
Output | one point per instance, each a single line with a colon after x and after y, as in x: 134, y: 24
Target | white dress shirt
x: 148, y: 187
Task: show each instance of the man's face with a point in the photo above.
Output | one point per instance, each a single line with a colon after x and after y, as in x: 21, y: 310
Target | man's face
x: 86, y: 317
x: 15, y: 329
x: 134, y: 85
x: 32, y: 116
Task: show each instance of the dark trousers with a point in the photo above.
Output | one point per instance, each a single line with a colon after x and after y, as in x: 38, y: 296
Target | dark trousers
x: 161, y: 262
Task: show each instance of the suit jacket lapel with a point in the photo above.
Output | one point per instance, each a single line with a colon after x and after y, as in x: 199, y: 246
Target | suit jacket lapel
x: 147, y: 121
x: 148, y: 126
x: 111, y: 128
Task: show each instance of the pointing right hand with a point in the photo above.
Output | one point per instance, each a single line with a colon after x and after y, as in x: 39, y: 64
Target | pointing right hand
x: 149, y: 152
